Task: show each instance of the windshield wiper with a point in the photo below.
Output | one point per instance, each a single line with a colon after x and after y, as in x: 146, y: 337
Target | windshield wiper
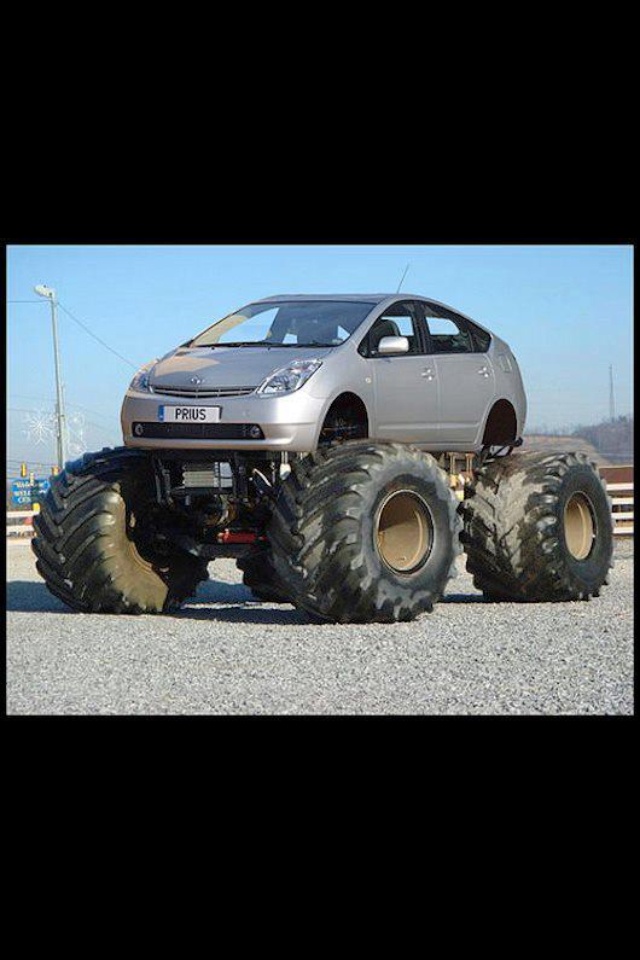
x: 249, y: 343
x: 270, y: 343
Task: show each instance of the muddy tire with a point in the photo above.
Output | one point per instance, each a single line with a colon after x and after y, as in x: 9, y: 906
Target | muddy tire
x: 538, y: 527
x: 259, y: 574
x: 365, y: 532
x: 91, y: 545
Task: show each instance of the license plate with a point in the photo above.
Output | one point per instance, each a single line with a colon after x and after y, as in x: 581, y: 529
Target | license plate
x: 167, y: 414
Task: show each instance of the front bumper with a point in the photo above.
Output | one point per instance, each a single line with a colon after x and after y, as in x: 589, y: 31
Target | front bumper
x: 290, y: 422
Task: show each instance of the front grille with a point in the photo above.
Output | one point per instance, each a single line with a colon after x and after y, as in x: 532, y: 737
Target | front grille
x: 206, y: 394
x: 197, y: 431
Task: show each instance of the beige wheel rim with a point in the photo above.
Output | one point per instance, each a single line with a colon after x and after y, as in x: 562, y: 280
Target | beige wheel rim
x: 579, y: 526
x: 404, y: 532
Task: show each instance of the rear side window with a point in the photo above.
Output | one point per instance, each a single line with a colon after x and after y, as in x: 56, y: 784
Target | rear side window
x: 447, y: 336
x: 481, y: 338
x: 451, y: 333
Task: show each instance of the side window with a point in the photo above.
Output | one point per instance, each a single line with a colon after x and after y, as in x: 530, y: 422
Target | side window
x: 451, y: 333
x: 399, y: 320
x: 481, y: 338
x: 448, y: 337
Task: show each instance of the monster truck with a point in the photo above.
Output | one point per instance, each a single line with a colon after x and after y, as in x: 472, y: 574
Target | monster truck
x: 304, y: 437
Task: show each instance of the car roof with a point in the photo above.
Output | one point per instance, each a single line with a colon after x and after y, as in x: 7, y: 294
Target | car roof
x: 359, y: 297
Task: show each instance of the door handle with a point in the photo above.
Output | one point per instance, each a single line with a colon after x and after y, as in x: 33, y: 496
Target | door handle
x: 428, y: 373
x: 483, y: 372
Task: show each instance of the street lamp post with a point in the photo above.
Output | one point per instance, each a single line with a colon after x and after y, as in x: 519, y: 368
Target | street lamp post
x: 49, y: 294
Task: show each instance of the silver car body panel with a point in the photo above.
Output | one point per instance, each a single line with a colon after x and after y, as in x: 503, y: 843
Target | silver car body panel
x: 436, y: 401
x: 226, y: 367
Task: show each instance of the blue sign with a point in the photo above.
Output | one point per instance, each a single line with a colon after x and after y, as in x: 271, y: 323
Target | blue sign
x: 23, y: 492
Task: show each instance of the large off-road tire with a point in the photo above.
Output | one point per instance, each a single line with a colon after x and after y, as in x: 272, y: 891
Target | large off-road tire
x: 260, y: 575
x: 91, y: 539
x: 538, y: 527
x: 365, y: 532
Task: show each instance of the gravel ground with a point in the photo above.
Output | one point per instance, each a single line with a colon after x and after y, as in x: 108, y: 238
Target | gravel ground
x: 225, y: 653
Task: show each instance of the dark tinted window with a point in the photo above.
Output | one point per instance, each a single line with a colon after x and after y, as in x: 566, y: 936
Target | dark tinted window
x: 448, y: 336
x: 451, y: 333
x: 480, y: 337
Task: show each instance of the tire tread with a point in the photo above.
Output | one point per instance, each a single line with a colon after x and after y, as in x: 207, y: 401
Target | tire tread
x: 511, y: 536
x: 81, y: 545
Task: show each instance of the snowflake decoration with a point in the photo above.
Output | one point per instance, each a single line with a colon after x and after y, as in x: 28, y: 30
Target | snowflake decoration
x: 76, y: 443
x: 40, y: 426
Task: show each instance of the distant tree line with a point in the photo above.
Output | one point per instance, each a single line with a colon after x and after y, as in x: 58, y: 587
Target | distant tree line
x: 611, y: 438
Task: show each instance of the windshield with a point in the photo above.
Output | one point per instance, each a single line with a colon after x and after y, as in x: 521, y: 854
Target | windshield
x: 287, y: 323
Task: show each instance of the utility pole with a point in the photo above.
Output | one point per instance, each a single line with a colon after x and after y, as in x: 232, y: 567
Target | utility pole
x: 49, y: 294
x: 612, y: 405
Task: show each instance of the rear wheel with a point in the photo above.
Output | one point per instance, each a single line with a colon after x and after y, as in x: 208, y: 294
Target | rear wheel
x: 365, y: 532
x: 538, y: 527
x: 93, y: 544
x: 260, y: 575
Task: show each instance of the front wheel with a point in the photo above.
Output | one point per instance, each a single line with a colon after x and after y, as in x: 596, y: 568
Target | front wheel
x: 92, y: 540
x: 365, y: 532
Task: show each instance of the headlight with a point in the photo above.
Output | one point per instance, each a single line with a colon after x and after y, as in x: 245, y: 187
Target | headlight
x: 289, y: 378
x: 141, y: 380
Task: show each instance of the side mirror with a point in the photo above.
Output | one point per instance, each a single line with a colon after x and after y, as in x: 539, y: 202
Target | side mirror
x: 389, y: 345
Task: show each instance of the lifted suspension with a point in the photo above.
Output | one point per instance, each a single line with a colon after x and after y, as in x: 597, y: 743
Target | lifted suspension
x: 213, y: 507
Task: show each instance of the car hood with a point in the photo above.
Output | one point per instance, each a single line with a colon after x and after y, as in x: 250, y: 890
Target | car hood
x: 226, y: 366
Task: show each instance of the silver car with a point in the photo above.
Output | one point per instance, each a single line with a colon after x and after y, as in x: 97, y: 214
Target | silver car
x: 292, y: 372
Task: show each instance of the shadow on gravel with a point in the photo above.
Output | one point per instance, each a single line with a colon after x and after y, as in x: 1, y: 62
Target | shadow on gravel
x: 462, y: 598
x: 28, y: 596
x: 32, y: 597
x: 243, y: 606
x: 218, y: 591
x: 255, y: 612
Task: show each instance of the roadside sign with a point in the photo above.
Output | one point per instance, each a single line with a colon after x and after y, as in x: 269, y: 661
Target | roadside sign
x: 23, y: 492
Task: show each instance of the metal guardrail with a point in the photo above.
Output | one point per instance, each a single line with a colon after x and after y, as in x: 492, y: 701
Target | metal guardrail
x: 20, y: 525
x: 622, y: 507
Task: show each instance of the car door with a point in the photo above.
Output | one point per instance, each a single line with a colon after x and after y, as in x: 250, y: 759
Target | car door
x: 404, y: 386
x: 464, y: 375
